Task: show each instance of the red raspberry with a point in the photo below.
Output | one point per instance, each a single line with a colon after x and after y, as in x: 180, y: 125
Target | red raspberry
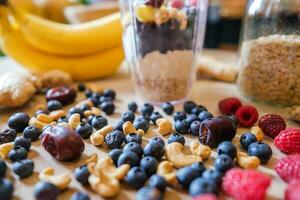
x: 229, y: 105
x: 288, y: 168
x: 205, y: 197
x: 246, y: 184
x: 271, y: 124
x: 247, y: 116
x: 288, y: 141
x: 177, y: 4
x: 292, y: 192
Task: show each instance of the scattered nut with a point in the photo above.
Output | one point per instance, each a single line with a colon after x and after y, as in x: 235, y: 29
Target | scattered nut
x: 36, y: 123
x: 164, y: 126
x: 55, y: 115
x: 140, y: 132
x: 200, y: 150
x: 74, y: 120
x: 258, y: 133
x: 5, y: 149
x: 97, y: 138
x: 87, y: 113
x: 166, y: 169
x: 92, y: 159
x: 294, y: 113
x: 175, y: 154
x: 107, y: 166
x: 44, y: 118
x: 104, y: 185
x: 128, y: 128
x: 96, y: 111
x: 61, y: 181
x: 87, y: 102
x: 64, y: 124
x: 247, y: 162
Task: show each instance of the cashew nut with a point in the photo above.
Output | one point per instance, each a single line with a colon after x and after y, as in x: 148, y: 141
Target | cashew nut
x: 258, y: 133
x: 200, y: 150
x: 128, y: 128
x: 87, y: 102
x: 104, y: 185
x: 96, y: 111
x: 87, y: 113
x: 140, y: 132
x: 166, y: 169
x: 61, y: 181
x: 97, y: 138
x: 164, y: 126
x: 36, y: 123
x: 5, y: 149
x: 107, y: 166
x: 175, y: 154
x: 92, y: 159
x: 56, y: 114
x: 74, y: 120
x: 44, y: 118
x: 247, y: 162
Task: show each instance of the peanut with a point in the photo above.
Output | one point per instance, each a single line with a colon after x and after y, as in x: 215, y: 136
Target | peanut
x: 36, y: 123
x: 5, y: 149
x: 96, y: 111
x: 200, y: 150
x: 88, y: 102
x: 55, y: 115
x: 97, y: 138
x: 166, y: 169
x: 61, y: 181
x: 92, y: 159
x: 140, y: 132
x: 128, y: 128
x: 247, y: 162
x: 44, y: 118
x: 74, y: 120
x: 164, y: 126
x: 258, y: 133
x: 87, y: 113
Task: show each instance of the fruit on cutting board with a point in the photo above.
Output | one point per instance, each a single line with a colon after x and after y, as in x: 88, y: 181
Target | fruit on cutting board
x: 83, y: 67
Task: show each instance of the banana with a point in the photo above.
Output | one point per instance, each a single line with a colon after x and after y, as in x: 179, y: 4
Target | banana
x: 86, y: 67
x: 64, y: 39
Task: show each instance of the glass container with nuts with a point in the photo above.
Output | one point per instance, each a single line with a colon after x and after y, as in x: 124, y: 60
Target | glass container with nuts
x: 161, y: 38
x: 269, y: 57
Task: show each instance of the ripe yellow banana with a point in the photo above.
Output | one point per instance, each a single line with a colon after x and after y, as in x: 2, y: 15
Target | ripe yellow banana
x: 64, y: 39
x: 86, y: 67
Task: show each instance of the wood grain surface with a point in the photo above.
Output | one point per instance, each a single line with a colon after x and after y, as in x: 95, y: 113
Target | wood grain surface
x: 204, y: 92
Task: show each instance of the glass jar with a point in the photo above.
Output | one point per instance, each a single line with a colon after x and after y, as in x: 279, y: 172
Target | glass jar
x: 269, y: 55
x: 161, y: 39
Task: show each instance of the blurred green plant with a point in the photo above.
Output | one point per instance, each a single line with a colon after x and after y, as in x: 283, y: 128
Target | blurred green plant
x: 85, y: 2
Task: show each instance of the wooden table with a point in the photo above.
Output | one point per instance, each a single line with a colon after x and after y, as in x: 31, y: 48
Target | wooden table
x: 204, y: 92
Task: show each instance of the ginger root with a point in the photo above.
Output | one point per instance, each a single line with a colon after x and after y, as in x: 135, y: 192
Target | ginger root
x: 55, y: 78
x: 17, y: 87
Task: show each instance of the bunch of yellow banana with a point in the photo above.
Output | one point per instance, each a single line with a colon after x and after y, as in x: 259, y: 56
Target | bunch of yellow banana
x: 86, y: 51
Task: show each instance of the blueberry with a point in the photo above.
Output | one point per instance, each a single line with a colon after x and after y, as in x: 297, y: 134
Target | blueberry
x: 62, y: 119
x: 32, y: 133
x: 205, y: 115
x: 223, y: 163
x: 158, y: 182
x: 132, y: 106
x: 99, y: 122
x: 136, y: 177
x: 182, y: 127
x: 96, y: 95
x: 84, y: 130
x: 260, y: 150
x: 81, y: 87
x: 18, y: 121
x: 134, y: 147
x: 191, y: 118
x: 168, y: 108
x: 88, y: 93
x: 94, y: 100
x: 115, y: 139
x: 84, y: 107
x: 108, y: 107
x: 199, y: 166
x: 109, y: 93
x: 46, y: 191
x: 198, y: 109
x: 7, y: 135
x: 128, y: 116
x: 188, y: 106
x: 75, y: 110
x: 82, y: 174
x: 119, y: 125
x: 54, y: 105
x: 156, y: 150
x: 178, y: 116
x: 3, y: 168
x: 202, y: 186
x: 157, y: 140
x: 23, y: 142
x: 6, y: 189
x: 194, y: 128
x: 103, y: 99
x: 144, y: 117
x: 90, y: 118
x: 128, y: 157
x: 247, y: 139
x: 228, y: 149
x: 149, y: 164
x: 213, y: 175
x: 149, y: 193
x: 23, y: 168
x: 80, y: 196
x: 114, y: 155
x: 141, y: 123
x: 147, y: 109
x: 176, y: 137
x: 133, y: 137
x: 17, y: 153
x: 186, y: 175
x: 155, y: 116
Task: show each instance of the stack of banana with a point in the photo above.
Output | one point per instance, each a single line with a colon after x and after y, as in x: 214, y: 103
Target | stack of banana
x: 87, y: 51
